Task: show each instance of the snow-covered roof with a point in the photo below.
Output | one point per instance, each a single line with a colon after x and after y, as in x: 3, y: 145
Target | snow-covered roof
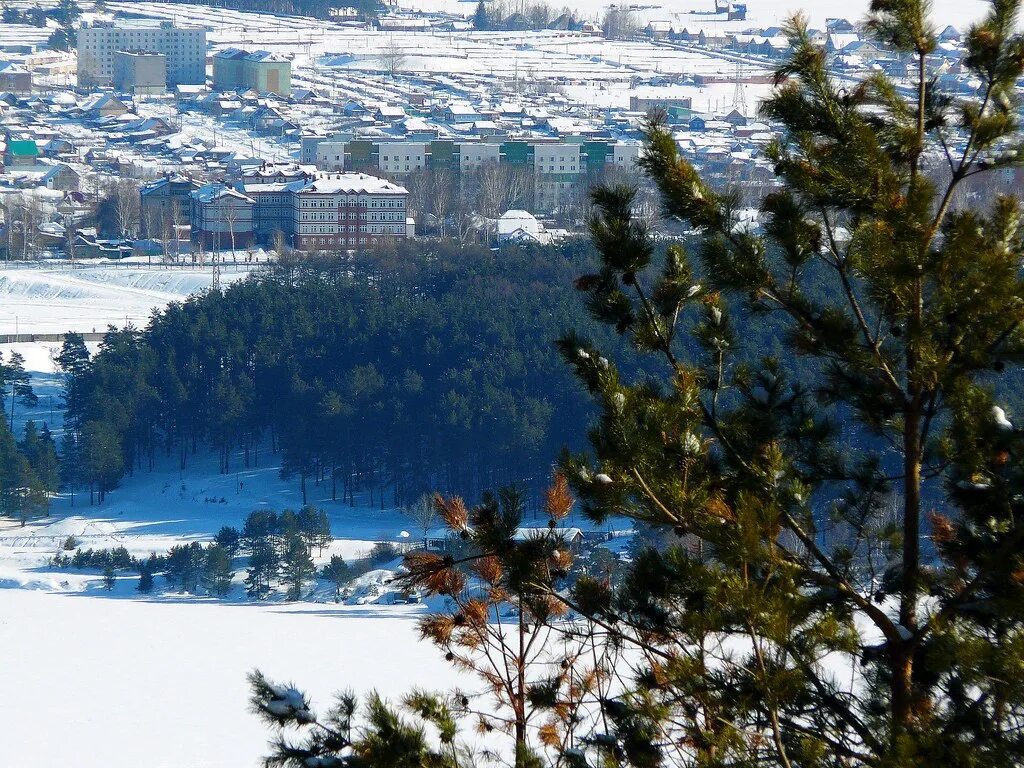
x: 348, y: 183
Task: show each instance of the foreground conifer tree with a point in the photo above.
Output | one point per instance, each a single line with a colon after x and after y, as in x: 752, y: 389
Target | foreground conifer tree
x: 843, y: 583
x: 833, y: 599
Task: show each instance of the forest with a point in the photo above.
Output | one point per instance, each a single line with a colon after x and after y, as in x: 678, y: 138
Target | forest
x: 427, y: 367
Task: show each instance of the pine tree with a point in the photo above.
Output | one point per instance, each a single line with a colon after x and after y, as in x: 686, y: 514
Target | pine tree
x: 145, y: 579
x: 297, y: 566
x: 19, y: 381
x: 263, y: 567
x: 337, y: 573
x: 865, y: 581
x: 228, y: 538
x: 184, y: 566
x: 109, y: 578
x: 480, y: 20
x: 217, y: 571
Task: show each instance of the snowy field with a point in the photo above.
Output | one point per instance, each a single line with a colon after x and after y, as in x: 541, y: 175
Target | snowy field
x: 39, y: 299
x: 97, y: 682
x: 164, y: 670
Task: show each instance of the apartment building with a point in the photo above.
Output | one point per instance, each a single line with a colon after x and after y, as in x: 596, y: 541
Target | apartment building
x: 222, y: 218
x: 472, y: 156
x: 269, y: 187
x: 141, y: 72
x: 264, y: 72
x: 556, y: 167
x: 184, y: 47
x: 347, y: 210
x: 166, y: 204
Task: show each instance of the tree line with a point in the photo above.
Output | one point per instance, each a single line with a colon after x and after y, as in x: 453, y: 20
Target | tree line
x: 390, y: 374
x: 279, y: 547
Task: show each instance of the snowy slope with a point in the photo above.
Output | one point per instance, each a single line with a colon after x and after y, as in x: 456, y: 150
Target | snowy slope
x: 54, y: 300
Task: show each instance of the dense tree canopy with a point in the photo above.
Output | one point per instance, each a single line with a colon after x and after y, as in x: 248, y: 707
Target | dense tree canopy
x: 418, y: 369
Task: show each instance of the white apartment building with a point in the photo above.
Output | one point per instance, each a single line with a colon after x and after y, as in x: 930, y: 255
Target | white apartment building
x: 330, y: 155
x: 556, y: 168
x: 184, y: 47
x: 625, y: 156
x: 402, y: 157
x: 474, y: 155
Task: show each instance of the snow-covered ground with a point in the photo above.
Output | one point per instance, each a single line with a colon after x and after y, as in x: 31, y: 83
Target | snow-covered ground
x: 41, y: 299
x: 99, y: 682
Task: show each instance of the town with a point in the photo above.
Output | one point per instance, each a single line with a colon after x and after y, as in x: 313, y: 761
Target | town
x: 176, y: 131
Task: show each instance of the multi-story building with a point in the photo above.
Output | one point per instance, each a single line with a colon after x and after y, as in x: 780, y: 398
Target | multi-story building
x: 401, y: 157
x: 264, y: 72
x: 184, y: 47
x: 222, y: 218
x: 274, y: 208
x: 555, y: 168
x: 166, y: 204
x: 330, y: 155
x: 548, y: 168
x: 141, y: 72
x: 658, y: 98
x: 14, y: 78
x: 473, y: 155
x: 347, y: 210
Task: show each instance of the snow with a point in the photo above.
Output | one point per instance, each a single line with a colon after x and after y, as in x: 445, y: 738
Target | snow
x: 999, y: 416
x: 126, y: 682
x: 43, y: 299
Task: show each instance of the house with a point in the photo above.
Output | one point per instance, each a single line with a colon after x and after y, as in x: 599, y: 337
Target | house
x: 571, y: 536
x: 56, y: 147
x: 385, y: 113
x: 840, y: 41
x: 520, y: 226
x: 735, y: 119
x: 61, y: 177
x: 20, y: 153
x: 14, y: 78
x: 105, y: 105
x: 658, y: 30
x: 459, y: 113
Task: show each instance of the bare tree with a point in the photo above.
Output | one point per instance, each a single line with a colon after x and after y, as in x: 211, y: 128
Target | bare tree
x: 620, y: 23
x: 392, y: 57
x: 125, y: 193
x: 231, y: 219
x: 174, y: 217
x: 424, y: 514
x: 442, y: 195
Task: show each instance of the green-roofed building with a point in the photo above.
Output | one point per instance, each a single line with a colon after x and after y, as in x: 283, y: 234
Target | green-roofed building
x: 20, y: 153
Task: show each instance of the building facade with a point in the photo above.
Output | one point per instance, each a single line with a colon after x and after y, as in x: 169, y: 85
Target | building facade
x: 264, y: 72
x: 222, y: 218
x: 347, y: 210
x: 274, y: 207
x: 552, y: 167
x: 166, y: 204
x: 184, y: 47
x: 141, y: 72
x: 14, y: 78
